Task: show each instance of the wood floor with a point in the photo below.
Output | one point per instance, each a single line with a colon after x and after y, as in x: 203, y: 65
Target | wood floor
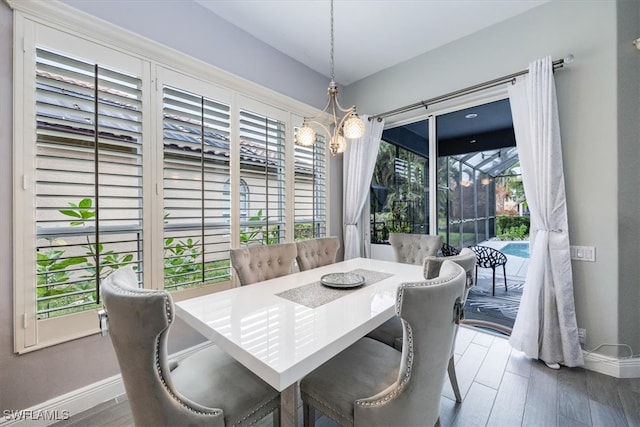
x: 500, y: 387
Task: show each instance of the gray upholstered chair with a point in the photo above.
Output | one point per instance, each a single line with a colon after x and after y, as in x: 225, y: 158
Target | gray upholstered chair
x: 263, y: 262
x: 373, y: 384
x: 413, y: 248
x: 314, y: 253
x: 207, y: 388
x: 390, y: 332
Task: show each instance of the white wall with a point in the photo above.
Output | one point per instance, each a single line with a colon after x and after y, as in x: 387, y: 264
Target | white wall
x: 194, y: 30
x: 589, y: 120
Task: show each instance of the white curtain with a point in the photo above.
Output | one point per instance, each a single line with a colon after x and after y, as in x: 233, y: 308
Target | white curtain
x: 359, y: 161
x: 545, y: 327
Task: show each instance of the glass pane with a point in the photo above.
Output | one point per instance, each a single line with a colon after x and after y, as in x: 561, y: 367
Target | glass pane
x: 476, y: 149
x: 196, y: 190
x: 262, y: 163
x: 88, y: 180
x: 310, y: 190
x: 399, y: 192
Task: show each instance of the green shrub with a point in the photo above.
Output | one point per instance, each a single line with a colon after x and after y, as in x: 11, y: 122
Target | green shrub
x: 512, y: 227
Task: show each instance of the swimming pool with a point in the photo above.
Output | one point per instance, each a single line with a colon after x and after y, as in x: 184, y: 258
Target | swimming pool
x: 520, y: 249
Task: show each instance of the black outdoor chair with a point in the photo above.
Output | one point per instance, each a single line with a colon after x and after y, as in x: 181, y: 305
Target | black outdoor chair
x: 448, y: 250
x: 490, y: 258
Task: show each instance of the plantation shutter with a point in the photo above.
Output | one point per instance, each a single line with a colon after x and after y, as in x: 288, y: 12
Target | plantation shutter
x: 310, y: 190
x: 196, y: 193
x: 88, y: 191
x: 262, y: 163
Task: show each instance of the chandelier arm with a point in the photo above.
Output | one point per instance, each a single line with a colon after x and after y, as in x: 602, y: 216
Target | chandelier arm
x: 323, y: 111
x: 337, y: 137
x: 335, y: 114
x: 345, y: 110
x: 322, y: 125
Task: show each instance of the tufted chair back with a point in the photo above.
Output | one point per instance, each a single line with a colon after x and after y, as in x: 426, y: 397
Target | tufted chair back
x: 207, y: 388
x: 315, y: 253
x: 263, y: 262
x: 139, y: 321
x: 429, y: 311
x: 465, y: 259
x: 414, y: 248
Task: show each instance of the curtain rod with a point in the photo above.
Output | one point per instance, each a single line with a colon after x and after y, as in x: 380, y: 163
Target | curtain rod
x: 471, y: 89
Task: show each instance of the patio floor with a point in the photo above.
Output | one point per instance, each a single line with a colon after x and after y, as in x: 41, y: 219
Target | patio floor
x: 497, y: 313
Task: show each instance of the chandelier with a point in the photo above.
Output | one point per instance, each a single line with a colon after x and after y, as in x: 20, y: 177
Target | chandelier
x: 350, y: 126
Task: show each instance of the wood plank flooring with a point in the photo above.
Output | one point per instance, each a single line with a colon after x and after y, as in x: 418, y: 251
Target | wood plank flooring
x: 500, y: 387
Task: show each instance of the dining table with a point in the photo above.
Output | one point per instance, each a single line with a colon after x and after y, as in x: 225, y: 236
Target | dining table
x: 283, y: 328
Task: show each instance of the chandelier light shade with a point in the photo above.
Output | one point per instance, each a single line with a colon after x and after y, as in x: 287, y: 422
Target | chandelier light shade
x: 350, y: 126
x: 353, y: 127
x: 305, y: 136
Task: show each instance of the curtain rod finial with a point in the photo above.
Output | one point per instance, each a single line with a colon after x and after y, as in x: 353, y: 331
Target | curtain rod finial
x: 568, y: 59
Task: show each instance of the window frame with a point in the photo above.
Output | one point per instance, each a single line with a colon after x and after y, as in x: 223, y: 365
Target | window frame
x: 58, y: 25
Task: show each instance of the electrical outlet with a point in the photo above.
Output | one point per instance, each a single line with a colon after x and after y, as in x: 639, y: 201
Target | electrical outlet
x: 582, y: 336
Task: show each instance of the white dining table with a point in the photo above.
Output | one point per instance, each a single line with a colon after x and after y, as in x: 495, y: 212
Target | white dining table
x: 284, y: 328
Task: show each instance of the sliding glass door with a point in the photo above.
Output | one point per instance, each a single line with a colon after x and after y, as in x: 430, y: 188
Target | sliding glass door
x: 457, y: 187
x: 475, y: 151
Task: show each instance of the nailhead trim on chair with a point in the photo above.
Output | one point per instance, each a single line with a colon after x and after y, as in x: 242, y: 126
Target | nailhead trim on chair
x: 407, y: 374
x: 255, y: 411
x: 436, y: 281
x: 169, y: 312
x: 405, y: 378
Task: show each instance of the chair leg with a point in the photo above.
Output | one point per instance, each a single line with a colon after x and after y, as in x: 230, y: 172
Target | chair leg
x: 276, y: 418
x: 504, y: 273
x: 476, y: 274
x: 308, y: 415
x: 451, y: 369
x: 494, y: 282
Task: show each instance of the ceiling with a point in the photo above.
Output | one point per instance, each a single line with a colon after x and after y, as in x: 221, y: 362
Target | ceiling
x: 370, y: 36
x: 481, y: 136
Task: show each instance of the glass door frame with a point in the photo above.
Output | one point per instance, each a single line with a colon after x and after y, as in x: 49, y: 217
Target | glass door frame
x: 461, y: 103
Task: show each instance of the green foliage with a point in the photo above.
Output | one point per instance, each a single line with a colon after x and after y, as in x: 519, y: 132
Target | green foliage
x: 70, y: 281
x: 258, y: 233
x: 51, y: 266
x: 59, y: 282
x: 97, y: 261
x: 515, y: 233
x: 214, y: 272
x: 398, y: 191
x: 512, y: 227
x: 181, y: 257
x: 454, y: 238
x: 303, y: 231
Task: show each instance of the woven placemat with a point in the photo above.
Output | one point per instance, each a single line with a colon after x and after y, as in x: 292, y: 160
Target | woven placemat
x: 315, y: 294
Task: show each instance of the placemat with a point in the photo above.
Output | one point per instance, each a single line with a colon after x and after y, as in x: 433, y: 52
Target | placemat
x: 315, y: 294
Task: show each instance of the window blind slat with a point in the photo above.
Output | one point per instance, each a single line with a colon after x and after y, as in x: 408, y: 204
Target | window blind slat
x: 309, y: 190
x: 196, y: 231
x: 88, y: 199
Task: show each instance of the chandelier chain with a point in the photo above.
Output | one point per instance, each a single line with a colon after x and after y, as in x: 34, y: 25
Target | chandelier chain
x: 332, y: 49
x: 350, y: 126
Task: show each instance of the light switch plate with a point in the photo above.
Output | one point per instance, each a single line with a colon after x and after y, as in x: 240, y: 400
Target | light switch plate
x: 583, y: 253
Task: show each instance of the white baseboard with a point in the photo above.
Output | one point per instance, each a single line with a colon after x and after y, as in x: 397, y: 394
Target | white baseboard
x: 76, y: 401
x: 62, y: 407
x: 612, y: 366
